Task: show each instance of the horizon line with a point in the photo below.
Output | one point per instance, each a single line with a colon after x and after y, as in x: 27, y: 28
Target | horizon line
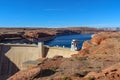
x: 55, y: 27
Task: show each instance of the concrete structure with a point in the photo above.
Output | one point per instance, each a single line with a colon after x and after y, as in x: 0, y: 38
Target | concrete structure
x: 19, y: 53
x: 12, y: 56
x: 74, y: 45
x: 41, y: 49
x: 65, y: 52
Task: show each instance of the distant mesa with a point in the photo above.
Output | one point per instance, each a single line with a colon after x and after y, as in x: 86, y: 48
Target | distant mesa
x: 32, y: 34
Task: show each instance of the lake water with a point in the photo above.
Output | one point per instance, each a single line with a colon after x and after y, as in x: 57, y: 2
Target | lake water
x: 59, y: 40
x: 66, y: 40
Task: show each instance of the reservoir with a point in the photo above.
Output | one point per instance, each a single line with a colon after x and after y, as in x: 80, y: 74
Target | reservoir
x: 65, y: 40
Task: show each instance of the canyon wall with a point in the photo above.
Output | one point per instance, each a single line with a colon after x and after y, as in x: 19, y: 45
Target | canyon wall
x: 101, y: 43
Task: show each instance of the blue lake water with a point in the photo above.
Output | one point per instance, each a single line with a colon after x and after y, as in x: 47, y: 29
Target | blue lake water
x: 66, y: 40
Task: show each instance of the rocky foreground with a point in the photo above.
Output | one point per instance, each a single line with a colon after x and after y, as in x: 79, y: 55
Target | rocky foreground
x: 99, y: 59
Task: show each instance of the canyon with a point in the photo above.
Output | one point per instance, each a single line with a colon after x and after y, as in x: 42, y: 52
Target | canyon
x: 98, y: 59
x: 31, y: 61
x: 32, y: 34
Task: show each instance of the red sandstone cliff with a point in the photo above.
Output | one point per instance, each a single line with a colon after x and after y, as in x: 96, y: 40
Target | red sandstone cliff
x: 110, y: 73
x: 101, y: 43
x: 26, y: 74
x: 103, y: 46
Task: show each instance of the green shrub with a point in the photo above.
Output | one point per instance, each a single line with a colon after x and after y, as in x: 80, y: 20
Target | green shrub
x: 91, y: 78
x: 81, y: 58
x: 66, y: 78
x: 54, y: 68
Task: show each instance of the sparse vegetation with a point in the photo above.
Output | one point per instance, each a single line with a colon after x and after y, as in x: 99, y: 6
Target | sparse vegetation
x: 66, y: 78
x: 54, y: 68
x: 90, y: 67
x: 90, y: 78
x: 71, y: 59
x: 80, y: 58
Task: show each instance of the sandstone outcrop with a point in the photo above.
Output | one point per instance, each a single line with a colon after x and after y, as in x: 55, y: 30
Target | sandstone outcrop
x: 110, y: 73
x: 26, y: 74
x: 101, y: 37
x: 101, y: 43
x: 104, y: 46
x: 10, y: 36
x: 34, y: 36
x: 31, y: 35
x: 52, y: 31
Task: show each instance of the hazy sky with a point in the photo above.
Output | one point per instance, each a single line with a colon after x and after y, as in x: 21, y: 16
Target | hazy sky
x: 59, y: 13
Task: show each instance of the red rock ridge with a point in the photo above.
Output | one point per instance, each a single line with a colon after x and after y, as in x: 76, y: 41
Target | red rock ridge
x: 104, y: 42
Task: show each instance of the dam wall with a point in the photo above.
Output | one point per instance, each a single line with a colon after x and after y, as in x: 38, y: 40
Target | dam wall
x: 59, y: 51
x: 20, y: 53
x: 12, y: 56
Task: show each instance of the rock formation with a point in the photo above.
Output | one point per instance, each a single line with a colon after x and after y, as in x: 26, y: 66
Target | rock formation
x: 26, y: 74
x: 101, y: 43
x: 32, y: 34
x: 105, y: 46
x: 110, y: 73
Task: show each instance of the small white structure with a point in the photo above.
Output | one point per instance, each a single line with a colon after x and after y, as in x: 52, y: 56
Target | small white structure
x: 74, y: 45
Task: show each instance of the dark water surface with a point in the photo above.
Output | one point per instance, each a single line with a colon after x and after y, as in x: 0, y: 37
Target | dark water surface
x: 61, y: 41
x: 66, y: 40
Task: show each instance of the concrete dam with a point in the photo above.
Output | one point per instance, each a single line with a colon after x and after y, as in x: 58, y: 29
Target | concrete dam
x: 12, y: 56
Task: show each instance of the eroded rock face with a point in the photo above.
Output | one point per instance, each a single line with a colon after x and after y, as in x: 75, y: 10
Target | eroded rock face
x: 26, y: 74
x: 105, y: 45
x: 31, y: 35
x: 110, y: 73
x: 104, y: 42
x: 34, y: 36
x: 10, y: 36
x: 98, y: 38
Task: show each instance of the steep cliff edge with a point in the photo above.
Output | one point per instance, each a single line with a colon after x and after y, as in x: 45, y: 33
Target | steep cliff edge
x: 34, y: 36
x: 104, y: 47
x: 101, y: 43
